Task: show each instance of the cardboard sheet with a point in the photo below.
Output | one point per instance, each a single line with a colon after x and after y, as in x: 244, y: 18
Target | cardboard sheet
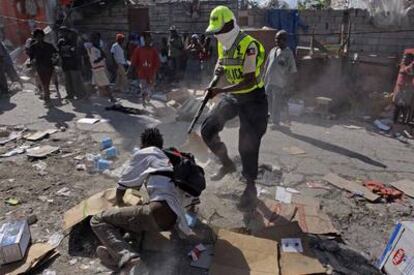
x: 406, y: 186
x: 96, y: 204
x: 36, y: 253
x: 40, y: 134
x: 351, y: 186
x: 243, y: 254
x: 310, y: 218
x: 293, y: 263
x: 313, y: 221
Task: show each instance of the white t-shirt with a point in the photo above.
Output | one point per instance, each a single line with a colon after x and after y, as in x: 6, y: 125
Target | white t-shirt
x: 118, y: 54
x: 160, y: 188
x: 279, y: 65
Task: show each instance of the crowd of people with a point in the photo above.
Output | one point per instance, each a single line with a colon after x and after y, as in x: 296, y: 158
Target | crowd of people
x: 86, y: 61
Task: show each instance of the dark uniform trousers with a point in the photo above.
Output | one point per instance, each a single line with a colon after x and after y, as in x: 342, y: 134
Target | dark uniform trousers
x: 252, y: 109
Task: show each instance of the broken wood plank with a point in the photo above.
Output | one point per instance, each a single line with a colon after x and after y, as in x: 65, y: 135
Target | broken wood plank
x: 350, y: 186
x: 406, y: 186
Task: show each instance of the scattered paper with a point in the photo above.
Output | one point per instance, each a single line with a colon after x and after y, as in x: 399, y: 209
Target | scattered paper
x: 283, y: 195
x: 317, y: 185
x: 292, y: 190
x: 293, y: 150
x: 350, y: 186
x: 41, y: 151
x: 64, y: 192
x: 406, y: 186
x: 88, y: 120
x: 293, y: 245
x: 352, y: 127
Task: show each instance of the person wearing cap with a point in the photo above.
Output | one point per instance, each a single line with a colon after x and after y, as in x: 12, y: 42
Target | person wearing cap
x: 121, y: 64
x: 193, y: 68
x: 240, y: 58
x: 175, y: 51
x: 42, y: 57
x: 279, y: 70
x: 69, y: 53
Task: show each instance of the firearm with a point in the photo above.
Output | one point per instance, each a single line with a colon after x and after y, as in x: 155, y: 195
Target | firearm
x: 203, y: 103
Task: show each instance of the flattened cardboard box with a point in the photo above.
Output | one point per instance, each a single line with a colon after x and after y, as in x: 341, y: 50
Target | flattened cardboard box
x: 243, y: 254
x: 96, y: 204
x: 398, y: 255
x: 36, y: 254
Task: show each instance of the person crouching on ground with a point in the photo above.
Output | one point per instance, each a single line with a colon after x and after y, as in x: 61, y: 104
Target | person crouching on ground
x: 279, y: 68
x: 164, y: 212
x: 146, y: 63
x: 97, y: 60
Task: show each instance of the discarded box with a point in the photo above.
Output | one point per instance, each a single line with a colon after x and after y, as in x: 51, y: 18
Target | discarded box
x: 111, y: 152
x: 398, y: 255
x: 106, y: 142
x: 14, y: 240
x: 103, y: 165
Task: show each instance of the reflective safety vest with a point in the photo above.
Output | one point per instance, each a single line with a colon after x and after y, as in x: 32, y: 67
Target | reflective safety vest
x: 232, y: 61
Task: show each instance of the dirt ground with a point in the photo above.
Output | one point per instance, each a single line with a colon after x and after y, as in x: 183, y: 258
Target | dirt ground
x: 363, y: 227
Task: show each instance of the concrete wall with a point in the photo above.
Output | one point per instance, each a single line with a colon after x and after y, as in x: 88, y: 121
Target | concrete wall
x: 162, y: 15
x: 366, y: 38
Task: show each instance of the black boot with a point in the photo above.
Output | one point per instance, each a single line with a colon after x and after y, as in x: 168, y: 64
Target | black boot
x: 224, y: 170
x: 249, y: 198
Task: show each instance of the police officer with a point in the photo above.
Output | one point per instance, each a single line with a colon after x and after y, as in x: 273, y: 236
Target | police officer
x: 240, y: 58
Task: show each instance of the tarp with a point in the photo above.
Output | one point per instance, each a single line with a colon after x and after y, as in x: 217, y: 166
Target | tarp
x: 288, y: 20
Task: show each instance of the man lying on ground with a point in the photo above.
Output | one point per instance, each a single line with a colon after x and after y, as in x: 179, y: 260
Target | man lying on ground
x: 151, y: 167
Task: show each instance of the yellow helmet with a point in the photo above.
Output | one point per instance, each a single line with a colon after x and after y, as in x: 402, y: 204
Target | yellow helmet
x: 219, y: 16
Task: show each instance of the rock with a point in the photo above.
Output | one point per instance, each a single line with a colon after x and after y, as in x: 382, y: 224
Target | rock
x: 73, y: 261
x: 32, y: 219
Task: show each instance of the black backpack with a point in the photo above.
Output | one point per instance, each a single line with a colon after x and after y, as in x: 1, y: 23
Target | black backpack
x: 187, y: 175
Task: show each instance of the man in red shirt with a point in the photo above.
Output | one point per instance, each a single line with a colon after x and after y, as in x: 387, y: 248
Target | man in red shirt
x: 146, y: 63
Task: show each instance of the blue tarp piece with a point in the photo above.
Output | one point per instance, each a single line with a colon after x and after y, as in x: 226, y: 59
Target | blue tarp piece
x: 288, y: 20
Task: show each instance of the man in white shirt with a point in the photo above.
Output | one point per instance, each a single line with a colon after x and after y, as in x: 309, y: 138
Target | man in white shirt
x: 121, y: 64
x: 165, y: 211
x: 279, y: 68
